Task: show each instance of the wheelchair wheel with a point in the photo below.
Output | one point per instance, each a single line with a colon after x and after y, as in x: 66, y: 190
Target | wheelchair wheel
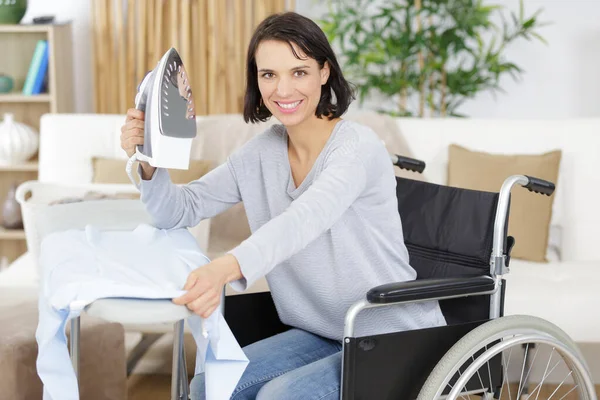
x: 503, y: 339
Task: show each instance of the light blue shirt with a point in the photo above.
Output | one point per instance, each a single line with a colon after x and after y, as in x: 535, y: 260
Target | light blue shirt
x: 81, y: 266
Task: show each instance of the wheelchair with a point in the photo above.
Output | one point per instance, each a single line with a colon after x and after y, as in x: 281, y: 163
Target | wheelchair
x: 458, y: 243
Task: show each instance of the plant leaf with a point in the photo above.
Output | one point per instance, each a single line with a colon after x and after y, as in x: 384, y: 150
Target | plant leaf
x: 538, y: 37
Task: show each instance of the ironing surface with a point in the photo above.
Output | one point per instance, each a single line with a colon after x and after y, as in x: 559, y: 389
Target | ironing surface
x: 81, y: 266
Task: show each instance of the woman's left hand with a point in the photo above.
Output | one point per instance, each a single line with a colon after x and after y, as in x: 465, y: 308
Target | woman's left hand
x: 204, y: 285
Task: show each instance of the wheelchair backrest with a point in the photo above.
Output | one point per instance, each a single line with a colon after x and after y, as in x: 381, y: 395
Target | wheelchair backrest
x: 448, y: 232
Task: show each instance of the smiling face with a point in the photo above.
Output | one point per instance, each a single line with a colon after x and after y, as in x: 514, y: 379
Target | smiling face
x: 290, y: 87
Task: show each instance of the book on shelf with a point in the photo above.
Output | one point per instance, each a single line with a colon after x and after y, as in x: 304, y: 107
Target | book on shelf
x: 38, y: 68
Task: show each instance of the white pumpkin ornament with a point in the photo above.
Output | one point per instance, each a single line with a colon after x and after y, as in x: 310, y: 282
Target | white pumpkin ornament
x: 18, y: 142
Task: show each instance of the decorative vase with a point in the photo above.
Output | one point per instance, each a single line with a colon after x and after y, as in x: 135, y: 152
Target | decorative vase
x: 18, y: 142
x: 12, y: 11
x: 11, y: 210
x: 6, y: 83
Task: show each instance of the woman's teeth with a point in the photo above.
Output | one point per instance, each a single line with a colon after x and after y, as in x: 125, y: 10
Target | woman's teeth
x: 289, y: 106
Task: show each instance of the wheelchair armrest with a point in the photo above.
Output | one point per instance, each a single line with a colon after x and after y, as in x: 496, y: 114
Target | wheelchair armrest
x: 425, y: 289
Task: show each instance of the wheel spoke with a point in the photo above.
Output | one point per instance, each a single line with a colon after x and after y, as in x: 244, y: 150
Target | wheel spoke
x: 478, y: 374
x: 539, y: 386
x: 506, y: 376
x: 503, y: 373
x: 489, y: 370
x: 566, y: 394
x: 530, y: 367
x: 522, y: 371
x: 558, y: 387
x: 544, y: 376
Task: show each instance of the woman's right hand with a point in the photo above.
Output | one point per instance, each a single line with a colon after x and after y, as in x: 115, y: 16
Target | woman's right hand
x: 132, y: 133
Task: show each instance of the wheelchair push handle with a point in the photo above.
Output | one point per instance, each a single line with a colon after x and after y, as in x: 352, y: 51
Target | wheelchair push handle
x: 538, y: 185
x: 410, y: 164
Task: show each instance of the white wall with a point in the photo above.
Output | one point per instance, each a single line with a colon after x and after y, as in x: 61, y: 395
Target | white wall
x: 561, y: 79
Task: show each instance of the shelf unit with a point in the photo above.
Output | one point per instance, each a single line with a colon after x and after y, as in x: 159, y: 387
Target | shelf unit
x: 17, y: 44
x: 12, y: 234
x: 21, y: 98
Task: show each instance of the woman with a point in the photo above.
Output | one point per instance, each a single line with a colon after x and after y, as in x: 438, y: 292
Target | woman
x: 319, y: 193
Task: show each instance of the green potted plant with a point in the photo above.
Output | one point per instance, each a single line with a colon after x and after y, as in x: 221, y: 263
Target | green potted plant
x: 426, y: 54
x: 12, y: 11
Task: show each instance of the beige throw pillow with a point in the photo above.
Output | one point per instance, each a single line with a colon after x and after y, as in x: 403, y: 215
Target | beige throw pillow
x: 530, y: 213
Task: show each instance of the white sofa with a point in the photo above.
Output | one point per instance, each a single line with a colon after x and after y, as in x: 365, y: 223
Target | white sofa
x: 563, y: 291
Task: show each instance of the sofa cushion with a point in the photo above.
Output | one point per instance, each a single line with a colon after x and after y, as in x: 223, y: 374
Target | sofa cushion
x: 559, y: 292
x: 112, y: 170
x: 530, y: 215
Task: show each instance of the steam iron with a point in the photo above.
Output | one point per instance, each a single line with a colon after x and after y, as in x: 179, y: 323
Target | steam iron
x: 166, y: 98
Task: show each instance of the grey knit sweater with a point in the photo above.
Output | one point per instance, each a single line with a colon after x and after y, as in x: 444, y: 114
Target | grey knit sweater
x: 321, y: 245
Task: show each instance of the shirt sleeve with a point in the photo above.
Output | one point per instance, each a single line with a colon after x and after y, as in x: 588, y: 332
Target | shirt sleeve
x: 182, y: 206
x: 339, y: 184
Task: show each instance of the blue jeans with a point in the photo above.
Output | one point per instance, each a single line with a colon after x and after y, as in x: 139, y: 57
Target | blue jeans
x: 292, y: 365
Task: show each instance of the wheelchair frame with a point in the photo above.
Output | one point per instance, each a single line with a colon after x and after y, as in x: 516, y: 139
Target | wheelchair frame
x: 459, y: 287
x: 497, y: 267
x: 440, y: 289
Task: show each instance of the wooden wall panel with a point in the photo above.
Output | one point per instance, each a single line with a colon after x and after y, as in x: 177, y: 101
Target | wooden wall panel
x: 212, y: 37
